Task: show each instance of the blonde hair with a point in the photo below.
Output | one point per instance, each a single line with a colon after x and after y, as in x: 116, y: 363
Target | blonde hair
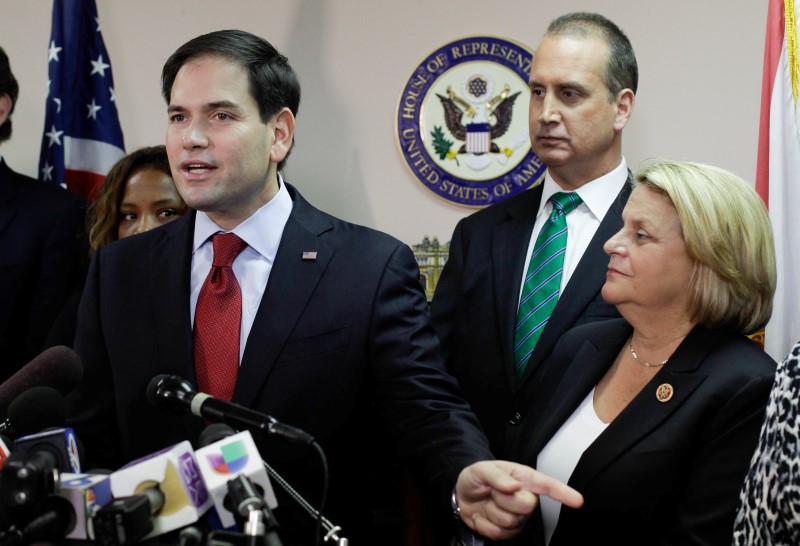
x: 729, y: 237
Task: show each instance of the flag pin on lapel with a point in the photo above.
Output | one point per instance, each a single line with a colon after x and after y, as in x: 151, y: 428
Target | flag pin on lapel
x: 309, y: 255
x: 664, y: 392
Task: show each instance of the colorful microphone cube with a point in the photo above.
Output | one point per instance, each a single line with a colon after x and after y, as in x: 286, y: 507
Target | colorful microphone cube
x: 173, y: 471
x: 225, y: 459
x: 87, y: 493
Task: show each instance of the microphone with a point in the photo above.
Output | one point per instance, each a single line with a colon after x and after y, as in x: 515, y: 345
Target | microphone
x: 5, y: 451
x: 127, y: 520
x: 219, y: 431
x: 58, y: 367
x: 36, y: 409
x: 57, y: 448
x: 225, y: 459
x: 175, y: 394
x: 260, y: 527
x: 86, y: 493
x: 173, y: 473
x: 56, y: 519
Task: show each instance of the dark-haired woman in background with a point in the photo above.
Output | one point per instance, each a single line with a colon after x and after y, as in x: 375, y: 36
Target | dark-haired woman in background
x: 137, y: 195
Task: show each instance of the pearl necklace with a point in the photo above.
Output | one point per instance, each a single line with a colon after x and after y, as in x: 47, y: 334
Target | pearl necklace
x: 639, y: 360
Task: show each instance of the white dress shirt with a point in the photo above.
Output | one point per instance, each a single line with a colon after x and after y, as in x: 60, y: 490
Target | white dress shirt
x: 560, y: 456
x: 582, y: 223
x: 262, y: 232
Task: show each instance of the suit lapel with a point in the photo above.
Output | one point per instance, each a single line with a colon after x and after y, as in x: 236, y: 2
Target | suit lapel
x: 292, y: 281
x: 645, y: 412
x: 170, y: 271
x: 170, y: 266
x: 509, y: 248
x: 572, y: 379
x: 584, y: 285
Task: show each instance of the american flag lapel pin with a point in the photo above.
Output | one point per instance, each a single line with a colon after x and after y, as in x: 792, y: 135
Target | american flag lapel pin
x: 309, y: 256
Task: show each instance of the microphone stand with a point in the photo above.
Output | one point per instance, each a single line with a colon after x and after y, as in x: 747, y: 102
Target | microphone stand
x: 260, y: 525
x: 332, y: 531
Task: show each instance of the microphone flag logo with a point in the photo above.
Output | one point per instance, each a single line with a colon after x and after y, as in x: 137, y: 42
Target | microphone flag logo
x: 230, y: 459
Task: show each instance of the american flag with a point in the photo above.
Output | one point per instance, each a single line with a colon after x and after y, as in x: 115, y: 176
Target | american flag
x: 82, y: 135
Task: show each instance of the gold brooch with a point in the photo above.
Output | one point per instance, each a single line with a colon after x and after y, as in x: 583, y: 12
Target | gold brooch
x: 664, y: 392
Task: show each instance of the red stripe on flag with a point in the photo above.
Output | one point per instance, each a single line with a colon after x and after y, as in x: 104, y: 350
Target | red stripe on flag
x: 772, y: 54
x: 83, y: 182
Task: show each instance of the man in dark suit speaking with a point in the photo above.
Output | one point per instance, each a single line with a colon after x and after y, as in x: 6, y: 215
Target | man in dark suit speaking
x: 44, y: 251
x: 262, y: 299
x: 506, y: 294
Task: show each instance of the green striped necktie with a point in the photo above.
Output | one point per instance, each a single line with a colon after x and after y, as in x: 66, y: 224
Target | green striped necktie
x: 543, y: 280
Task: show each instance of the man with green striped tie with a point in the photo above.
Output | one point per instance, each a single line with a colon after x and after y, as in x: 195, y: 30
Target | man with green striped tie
x: 522, y: 272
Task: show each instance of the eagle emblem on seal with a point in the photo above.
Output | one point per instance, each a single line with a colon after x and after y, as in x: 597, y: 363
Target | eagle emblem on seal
x: 477, y: 118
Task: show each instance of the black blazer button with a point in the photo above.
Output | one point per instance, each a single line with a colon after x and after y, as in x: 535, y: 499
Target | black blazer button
x: 515, y: 419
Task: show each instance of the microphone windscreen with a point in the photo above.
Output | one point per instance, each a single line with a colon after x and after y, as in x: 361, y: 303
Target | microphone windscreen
x: 36, y: 409
x: 58, y: 367
x: 214, y: 433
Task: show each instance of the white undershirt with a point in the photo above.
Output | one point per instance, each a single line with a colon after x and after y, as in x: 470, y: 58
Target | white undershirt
x: 561, y: 455
x: 262, y: 232
x: 582, y: 223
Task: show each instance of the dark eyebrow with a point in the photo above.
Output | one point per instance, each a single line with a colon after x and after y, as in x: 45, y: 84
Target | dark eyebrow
x: 561, y: 86
x: 226, y: 104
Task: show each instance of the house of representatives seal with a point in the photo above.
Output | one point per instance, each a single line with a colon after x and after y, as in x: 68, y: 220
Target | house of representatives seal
x: 462, y: 121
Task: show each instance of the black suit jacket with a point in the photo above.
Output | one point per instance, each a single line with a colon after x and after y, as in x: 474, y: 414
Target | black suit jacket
x: 662, y: 472
x: 340, y: 345
x: 475, y: 306
x: 43, y: 261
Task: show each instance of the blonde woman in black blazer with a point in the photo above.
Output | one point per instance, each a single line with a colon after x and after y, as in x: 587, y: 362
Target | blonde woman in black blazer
x: 654, y: 417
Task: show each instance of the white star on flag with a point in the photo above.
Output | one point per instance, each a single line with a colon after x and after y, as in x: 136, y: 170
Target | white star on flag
x: 99, y: 67
x: 54, y: 136
x: 93, y: 109
x: 47, y: 172
x: 52, y: 53
x: 58, y: 104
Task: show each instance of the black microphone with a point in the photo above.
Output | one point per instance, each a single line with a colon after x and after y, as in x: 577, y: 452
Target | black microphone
x: 56, y: 519
x: 260, y: 525
x: 127, y: 520
x: 35, y: 409
x: 58, y: 367
x: 175, y: 394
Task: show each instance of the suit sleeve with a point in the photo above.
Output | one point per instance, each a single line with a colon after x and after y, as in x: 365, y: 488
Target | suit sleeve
x: 448, y: 293
x: 433, y: 426
x: 91, y: 406
x: 706, y: 515
x: 61, y: 272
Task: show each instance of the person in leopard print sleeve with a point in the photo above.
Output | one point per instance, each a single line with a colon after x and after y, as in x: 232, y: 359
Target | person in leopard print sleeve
x: 769, y: 510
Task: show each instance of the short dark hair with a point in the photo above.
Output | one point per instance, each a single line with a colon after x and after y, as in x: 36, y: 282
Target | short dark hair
x: 8, y: 86
x: 273, y: 82
x: 621, y: 70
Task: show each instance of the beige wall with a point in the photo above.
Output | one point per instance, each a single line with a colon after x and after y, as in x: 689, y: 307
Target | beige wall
x: 700, y: 82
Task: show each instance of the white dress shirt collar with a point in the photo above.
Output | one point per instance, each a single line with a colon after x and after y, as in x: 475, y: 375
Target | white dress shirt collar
x: 258, y: 231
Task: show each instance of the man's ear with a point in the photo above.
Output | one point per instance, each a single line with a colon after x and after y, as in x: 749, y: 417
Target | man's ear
x: 5, y: 107
x: 625, y: 101
x: 283, y: 135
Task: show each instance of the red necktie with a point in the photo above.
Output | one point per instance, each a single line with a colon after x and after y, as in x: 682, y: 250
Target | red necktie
x: 217, y: 321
